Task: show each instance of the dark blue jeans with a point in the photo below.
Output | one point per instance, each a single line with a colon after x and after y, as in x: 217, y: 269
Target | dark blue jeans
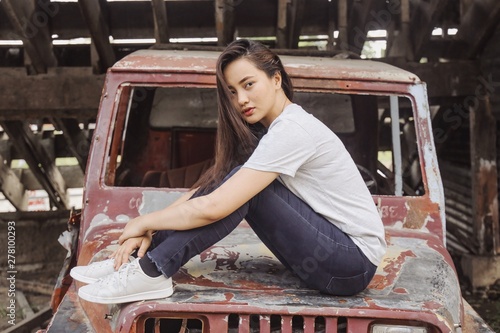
x: 318, y: 252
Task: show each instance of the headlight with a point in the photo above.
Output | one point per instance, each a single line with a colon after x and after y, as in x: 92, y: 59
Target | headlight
x: 378, y: 328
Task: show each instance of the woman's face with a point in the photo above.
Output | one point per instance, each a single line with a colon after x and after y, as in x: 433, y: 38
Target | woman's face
x: 255, y: 95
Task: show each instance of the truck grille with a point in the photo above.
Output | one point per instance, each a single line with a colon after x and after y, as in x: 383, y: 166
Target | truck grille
x: 240, y: 323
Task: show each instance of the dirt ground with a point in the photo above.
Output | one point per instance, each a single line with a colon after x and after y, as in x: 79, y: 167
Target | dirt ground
x: 486, y: 301
x: 487, y: 304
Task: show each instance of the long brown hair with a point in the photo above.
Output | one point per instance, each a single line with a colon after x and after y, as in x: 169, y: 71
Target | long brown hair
x: 236, y: 139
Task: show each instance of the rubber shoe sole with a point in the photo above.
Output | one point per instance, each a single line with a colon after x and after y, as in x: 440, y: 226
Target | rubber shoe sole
x: 143, y: 296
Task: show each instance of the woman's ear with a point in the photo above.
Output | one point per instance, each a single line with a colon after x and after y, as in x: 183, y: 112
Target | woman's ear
x: 277, y: 79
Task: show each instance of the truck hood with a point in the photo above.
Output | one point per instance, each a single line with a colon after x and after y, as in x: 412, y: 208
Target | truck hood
x: 416, y: 279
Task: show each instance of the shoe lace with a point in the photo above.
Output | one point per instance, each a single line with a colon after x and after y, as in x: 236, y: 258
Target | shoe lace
x: 117, y: 278
x: 123, y: 274
x: 120, y: 277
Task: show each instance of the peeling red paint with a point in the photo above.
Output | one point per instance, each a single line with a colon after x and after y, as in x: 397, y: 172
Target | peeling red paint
x: 432, y: 305
x: 238, y: 276
x: 391, y: 268
x: 422, y: 213
x: 400, y: 291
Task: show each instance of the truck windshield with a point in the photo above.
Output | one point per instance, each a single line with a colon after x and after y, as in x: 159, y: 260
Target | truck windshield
x: 164, y: 137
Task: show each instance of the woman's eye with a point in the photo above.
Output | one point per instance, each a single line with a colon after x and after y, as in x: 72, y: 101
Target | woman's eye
x: 249, y: 84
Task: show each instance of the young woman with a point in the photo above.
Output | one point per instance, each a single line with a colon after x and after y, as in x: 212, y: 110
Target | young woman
x: 295, y: 186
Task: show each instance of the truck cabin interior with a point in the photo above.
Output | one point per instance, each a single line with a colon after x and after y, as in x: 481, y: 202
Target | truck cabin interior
x: 165, y: 136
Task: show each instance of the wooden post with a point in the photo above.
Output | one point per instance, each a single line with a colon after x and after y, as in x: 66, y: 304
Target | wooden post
x: 424, y: 18
x: 12, y: 187
x: 160, y: 21
x: 343, y: 34
x: 401, y: 45
x: 296, y: 18
x: 331, y: 24
x: 40, y: 161
x: 224, y: 21
x: 482, y: 268
x: 484, y: 177
x: 281, y: 25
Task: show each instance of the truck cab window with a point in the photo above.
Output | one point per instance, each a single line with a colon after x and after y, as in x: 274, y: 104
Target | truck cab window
x: 167, y: 136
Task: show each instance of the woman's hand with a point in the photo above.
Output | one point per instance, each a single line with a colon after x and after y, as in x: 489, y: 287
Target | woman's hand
x: 122, y: 254
x: 133, y: 228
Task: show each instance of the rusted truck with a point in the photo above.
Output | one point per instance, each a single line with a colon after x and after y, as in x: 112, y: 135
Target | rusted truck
x: 153, y: 139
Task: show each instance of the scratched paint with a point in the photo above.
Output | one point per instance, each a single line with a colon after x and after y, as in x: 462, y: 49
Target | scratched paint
x: 156, y: 200
x: 416, y: 280
x: 98, y: 221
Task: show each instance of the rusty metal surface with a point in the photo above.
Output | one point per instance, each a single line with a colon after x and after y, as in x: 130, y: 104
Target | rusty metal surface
x: 416, y: 280
x: 70, y: 316
x: 203, y: 62
x: 240, y: 275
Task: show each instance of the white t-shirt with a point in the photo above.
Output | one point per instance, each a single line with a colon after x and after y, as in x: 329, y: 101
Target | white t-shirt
x: 316, y: 167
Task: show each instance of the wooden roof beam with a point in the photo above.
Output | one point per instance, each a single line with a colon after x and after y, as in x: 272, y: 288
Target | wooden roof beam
x: 31, y: 22
x: 77, y: 141
x: 93, y: 13
x: 162, y: 34
x: 12, y: 188
x: 224, y: 21
x: 362, y: 18
x: 39, y: 160
x: 424, y: 17
x: 72, y: 175
x: 62, y: 93
x: 476, y: 28
x: 75, y: 93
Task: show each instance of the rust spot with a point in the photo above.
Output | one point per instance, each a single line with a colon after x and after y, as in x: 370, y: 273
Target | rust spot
x: 223, y: 257
x: 400, y: 291
x: 229, y: 297
x: 391, y: 267
x: 486, y: 204
x: 371, y: 304
x: 95, y: 312
x: 183, y: 277
x: 248, y: 284
x: 432, y: 305
x: 419, y: 212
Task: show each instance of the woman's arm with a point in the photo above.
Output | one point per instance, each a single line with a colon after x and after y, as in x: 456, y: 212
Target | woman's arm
x: 183, y: 198
x: 203, y: 210
x: 142, y: 242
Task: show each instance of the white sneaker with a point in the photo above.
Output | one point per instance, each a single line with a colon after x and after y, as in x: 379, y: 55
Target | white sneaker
x: 93, y: 272
x: 128, y: 284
